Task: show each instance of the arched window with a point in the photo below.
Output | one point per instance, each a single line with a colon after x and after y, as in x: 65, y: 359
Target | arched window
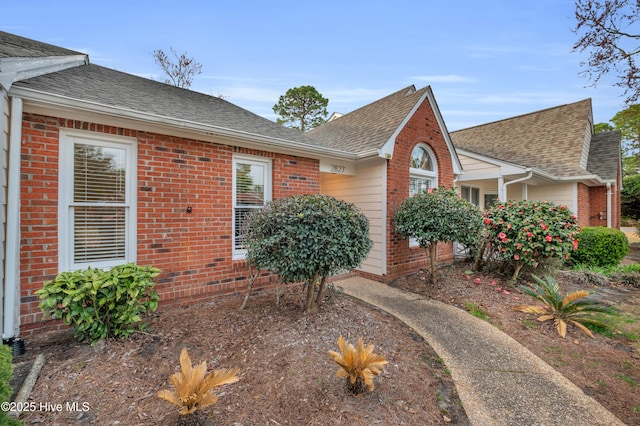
x: 423, y: 170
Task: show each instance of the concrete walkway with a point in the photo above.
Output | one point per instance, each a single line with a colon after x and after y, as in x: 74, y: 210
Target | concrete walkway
x: 499, y: 381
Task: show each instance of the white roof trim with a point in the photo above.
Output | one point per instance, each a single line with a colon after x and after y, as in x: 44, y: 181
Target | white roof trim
x: 17, y: 69
x: 387, y: 149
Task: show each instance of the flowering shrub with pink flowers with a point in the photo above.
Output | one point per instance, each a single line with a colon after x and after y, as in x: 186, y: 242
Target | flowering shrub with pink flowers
x: 527, y: 232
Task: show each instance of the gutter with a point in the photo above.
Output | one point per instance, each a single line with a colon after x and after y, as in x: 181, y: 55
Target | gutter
x: 39, y: 98
x: 504, y: 185
x: 609, y: 194
x: 11, y: 325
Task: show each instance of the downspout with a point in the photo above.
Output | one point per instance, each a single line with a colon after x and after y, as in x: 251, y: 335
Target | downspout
x: 504, y: 185
x: 3, y: 250
x: 11, y: 326
x: 609, y: 205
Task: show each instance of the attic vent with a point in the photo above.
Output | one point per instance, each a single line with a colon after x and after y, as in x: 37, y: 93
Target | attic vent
x: 411, y: 90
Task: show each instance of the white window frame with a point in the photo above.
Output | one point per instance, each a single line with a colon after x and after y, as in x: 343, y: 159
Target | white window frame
x: 68, y: 139
x: 241, y: 253
x: 430, y: 175
x: 471, y: 190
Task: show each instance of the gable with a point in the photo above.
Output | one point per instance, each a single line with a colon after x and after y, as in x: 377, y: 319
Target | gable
x: 372, y: 130
x: 554, y: 140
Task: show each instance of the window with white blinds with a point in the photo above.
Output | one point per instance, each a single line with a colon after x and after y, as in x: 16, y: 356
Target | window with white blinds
x: 251, y: 191
x: 96, y: 188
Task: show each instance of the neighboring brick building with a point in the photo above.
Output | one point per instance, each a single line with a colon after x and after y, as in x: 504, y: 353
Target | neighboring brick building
x: 552, y: 155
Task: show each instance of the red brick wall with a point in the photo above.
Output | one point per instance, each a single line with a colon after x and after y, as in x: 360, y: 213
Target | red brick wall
x: 193, y: 250
x: 422, y: 128
x: 593, y: 200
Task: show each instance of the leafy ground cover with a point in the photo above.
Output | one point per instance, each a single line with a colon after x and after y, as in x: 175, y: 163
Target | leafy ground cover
x: 287, y: 376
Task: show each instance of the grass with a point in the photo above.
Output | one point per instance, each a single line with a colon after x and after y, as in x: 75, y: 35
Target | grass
x: 618, y: 324
x: 627, y: 379
x: 477, y: 311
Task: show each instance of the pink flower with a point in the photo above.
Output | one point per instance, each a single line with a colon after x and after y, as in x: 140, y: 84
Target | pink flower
x: 575, y: 244
x: 477, y: 281
x: 493, y: 282
x: 516, y: 298
x: 430, y: 190
x: 487, y: 221
x: 498, y: 289
x: 543, y: 226
x: 529, y: 234
x: 506, y: 292
x: 516, y: 257
x: 549, y: 238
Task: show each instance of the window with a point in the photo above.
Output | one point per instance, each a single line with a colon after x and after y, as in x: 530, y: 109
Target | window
x: 470, y: 194
x: 423, y: 173
x: 96, y: 201
x: 489, y: 199
x: 251, y: 191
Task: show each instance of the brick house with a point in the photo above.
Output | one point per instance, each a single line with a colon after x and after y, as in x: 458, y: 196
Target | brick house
x: 552, y: 155
x: 104, y: 167
x: 403, y: 148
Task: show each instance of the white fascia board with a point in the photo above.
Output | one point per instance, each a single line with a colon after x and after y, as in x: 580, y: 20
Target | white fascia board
x: 17, y: 69
x: 457, y: 165
x: 177, y: 127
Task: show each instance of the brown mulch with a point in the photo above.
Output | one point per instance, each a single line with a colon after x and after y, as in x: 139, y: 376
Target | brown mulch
x: 287, y: 377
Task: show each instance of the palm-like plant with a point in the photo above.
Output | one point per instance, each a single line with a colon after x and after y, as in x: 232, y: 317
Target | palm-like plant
x: 192, y: 386
x: 358, y: 363
x: 575, y: 308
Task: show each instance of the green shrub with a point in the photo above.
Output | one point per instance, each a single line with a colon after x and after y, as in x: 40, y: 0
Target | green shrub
x: 101, y: 304
x: 307, y: 238
x: 600, y: 246
x: 6, y: 371
x: 439, y: 215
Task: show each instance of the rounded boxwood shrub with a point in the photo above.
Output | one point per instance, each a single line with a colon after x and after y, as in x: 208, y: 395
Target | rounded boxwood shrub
x: 307, y: 238
x: 438, y: 215
x: 600, y: 246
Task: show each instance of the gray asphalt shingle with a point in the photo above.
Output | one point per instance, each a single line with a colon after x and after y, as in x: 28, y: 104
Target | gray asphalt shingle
x: 370, y: 126
x: 551, y: 140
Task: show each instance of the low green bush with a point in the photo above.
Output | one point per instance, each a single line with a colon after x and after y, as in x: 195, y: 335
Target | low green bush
x: 600, y: 246
x: 6, y: 371
x: 100, y: 304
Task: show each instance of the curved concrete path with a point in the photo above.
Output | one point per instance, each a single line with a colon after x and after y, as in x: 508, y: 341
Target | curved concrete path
x: 499, y: 381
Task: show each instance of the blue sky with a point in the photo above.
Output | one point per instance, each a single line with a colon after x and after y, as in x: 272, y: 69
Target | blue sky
x: 484, y: 61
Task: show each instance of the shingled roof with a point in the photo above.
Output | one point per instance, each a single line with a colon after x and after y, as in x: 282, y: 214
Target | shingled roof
x: 14, y: 46
x: 104, y: 86
x: 65, y: 76
x: 604, y: 155
x: 371, y: 126
x: 554, y: 140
